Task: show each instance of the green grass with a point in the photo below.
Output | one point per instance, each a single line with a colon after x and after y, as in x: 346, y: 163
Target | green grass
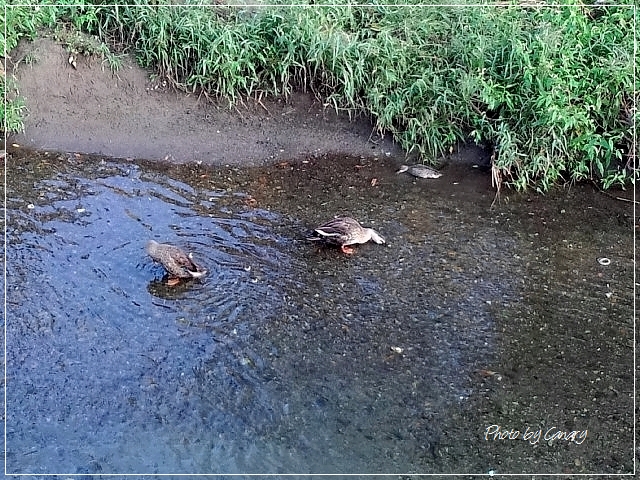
x: 550, y: 87
x: 12, y: 111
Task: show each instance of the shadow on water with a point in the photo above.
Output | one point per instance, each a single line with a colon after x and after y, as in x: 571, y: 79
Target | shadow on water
x: 290, y: 358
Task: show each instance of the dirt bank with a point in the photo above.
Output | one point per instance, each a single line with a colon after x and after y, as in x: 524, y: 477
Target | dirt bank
x: 129, y: 114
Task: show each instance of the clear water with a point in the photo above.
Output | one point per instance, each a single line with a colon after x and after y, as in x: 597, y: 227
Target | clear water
x: 285, y: 358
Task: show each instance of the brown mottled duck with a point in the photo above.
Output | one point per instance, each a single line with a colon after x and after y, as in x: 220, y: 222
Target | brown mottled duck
x: 420, y: 171
x: 345, y: 231
x: 175, y: 261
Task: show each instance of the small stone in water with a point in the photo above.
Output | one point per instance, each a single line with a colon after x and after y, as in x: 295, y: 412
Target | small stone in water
x: 397, y: 349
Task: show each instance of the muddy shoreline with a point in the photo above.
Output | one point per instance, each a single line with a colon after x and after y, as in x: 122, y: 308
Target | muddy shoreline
x: 130, y: 114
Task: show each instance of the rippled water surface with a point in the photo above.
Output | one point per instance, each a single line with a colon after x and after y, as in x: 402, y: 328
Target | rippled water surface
x: 287, y: 358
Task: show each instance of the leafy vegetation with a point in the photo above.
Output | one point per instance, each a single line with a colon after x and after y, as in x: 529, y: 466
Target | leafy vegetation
x: 551, y: 88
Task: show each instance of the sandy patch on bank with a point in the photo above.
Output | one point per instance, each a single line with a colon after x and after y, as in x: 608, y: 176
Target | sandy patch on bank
x: 127, y: 114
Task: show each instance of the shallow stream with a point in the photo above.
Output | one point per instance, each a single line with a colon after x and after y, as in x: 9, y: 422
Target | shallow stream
x: 289, y: 358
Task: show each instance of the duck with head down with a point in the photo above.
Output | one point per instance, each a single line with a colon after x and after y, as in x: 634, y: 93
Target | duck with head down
x: 343, y: 232
x: 420, y: 171
x: 175, y: 261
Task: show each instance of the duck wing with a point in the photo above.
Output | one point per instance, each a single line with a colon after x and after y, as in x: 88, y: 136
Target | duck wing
x: 184, y: 261
x: 338, y: 230
x: 422, y: 171
x: 177, y: 262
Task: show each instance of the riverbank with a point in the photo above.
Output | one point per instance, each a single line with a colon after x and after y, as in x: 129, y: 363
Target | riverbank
x: 533, y: 83
x: 128, y: 114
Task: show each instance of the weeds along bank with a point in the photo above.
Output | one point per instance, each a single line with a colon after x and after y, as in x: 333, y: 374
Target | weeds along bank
x: 550, y: 87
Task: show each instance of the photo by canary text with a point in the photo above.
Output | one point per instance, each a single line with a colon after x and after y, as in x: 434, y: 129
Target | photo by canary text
x: 534, y: 436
